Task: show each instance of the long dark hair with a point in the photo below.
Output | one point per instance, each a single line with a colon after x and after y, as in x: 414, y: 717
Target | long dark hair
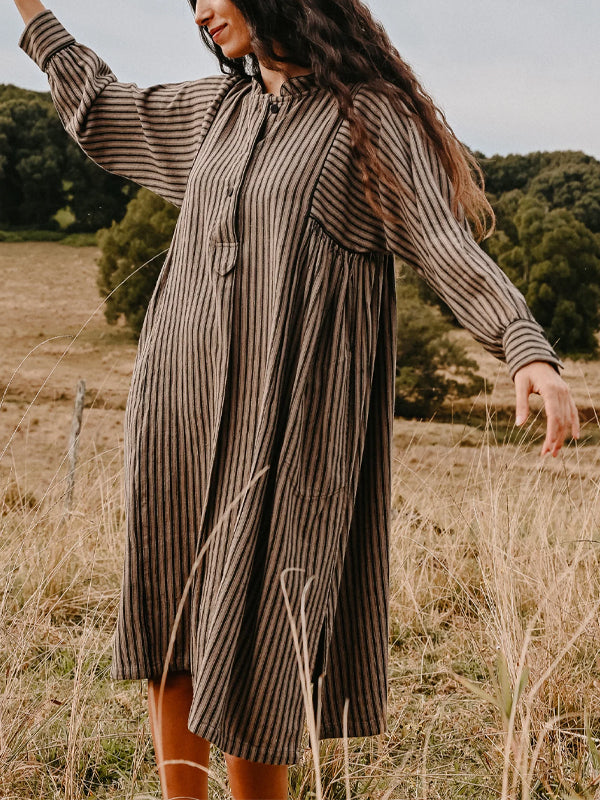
x: 342, y: 43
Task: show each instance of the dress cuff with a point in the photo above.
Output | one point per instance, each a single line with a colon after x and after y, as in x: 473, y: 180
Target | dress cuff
x: 43, y: 37
x: 524, y: 341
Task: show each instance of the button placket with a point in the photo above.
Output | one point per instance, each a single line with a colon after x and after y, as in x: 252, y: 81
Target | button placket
x: 224, y: 237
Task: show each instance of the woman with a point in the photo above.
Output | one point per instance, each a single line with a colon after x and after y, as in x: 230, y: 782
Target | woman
x: 259, y: 419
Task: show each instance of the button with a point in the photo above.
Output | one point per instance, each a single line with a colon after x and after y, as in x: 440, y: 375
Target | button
x: 273, y: 108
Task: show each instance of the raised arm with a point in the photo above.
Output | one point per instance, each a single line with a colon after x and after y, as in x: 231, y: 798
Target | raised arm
x: 443, y: 251
x: 148, y: 135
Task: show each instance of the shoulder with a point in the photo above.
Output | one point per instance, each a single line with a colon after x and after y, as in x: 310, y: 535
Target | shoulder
x: 199, y: 93
x: 210, y: 84
x: 368, y: 100
x: 381, y: 112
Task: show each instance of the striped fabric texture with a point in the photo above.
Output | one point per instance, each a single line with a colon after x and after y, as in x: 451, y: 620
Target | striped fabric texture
x: 258, y: 424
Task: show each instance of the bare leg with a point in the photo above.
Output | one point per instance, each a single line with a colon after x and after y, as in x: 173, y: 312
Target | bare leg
x: 250, y: 780
x: 173, y: 740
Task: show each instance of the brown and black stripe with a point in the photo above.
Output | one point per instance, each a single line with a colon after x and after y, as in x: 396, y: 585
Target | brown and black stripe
x: 259, y: 417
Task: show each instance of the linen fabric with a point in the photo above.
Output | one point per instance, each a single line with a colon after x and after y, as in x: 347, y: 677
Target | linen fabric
x: 258, y: 424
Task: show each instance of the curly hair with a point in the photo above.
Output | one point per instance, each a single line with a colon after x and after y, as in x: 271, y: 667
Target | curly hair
x: 343, y: 44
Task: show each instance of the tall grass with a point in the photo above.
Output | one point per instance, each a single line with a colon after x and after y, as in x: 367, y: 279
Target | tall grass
x: 497, y: 584
x: 494, y: 638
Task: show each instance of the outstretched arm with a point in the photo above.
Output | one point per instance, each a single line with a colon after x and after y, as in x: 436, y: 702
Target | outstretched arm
x: 443, y: 251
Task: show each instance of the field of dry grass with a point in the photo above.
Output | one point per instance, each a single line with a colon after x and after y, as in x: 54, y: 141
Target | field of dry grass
x: 495, y: 584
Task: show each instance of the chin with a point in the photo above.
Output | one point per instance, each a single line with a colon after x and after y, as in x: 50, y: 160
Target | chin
x: 236, y: 46
x: 233, y: 52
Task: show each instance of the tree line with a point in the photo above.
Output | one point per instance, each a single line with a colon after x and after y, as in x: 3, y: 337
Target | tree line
x: 43, y: 172
x: 547, y: 241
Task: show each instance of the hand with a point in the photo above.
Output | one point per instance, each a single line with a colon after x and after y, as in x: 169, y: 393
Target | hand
x: 539, y: 377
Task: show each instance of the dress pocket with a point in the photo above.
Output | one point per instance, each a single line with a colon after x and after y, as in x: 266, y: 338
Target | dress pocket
x: 321, y: 466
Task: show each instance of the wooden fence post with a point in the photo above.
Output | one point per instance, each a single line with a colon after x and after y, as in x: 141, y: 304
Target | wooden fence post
x: 74, y: 441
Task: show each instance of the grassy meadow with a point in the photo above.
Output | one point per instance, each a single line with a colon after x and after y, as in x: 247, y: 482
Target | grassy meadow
x: 495, y: 582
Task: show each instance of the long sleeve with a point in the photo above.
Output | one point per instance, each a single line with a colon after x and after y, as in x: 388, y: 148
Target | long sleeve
x: 443, y: 251
x: 148, y: 135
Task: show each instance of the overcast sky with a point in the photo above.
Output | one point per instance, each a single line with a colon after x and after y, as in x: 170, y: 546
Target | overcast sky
x: 511, y: 76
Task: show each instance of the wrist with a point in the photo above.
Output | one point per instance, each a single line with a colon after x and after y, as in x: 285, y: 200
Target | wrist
x: 29, y: 9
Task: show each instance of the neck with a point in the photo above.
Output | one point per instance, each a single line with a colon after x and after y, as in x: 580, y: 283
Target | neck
x: 273, y: 79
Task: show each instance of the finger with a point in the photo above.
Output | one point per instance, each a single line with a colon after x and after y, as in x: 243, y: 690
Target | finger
x: 522, y: 389
x: 557, y: 420
x: 552, y: 444
x: 571, y: 418
x: 549, y: 445
x: 575, y: 428
x: 563, y: 419
x: 564, y: 422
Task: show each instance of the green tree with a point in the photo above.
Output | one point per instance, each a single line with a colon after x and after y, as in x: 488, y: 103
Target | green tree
x: 96, y: 198
x: 31, y: 163
x: 574, y: 186
x: 430, y: 366
x: 42, y: 170
x: 145, y: 230
x: 505, y: 173
x: 556, y: 264
x: 8, y: 91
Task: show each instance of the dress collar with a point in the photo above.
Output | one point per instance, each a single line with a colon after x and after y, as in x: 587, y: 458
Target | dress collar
x: 296, y: 85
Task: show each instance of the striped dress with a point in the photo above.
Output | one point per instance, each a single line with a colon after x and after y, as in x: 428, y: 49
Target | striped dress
x: 258, y: 424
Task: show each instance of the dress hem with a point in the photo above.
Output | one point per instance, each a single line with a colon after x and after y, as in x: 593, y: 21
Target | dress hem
x: 250, y: 751
x: 241, y: 748
x: 150, y: 673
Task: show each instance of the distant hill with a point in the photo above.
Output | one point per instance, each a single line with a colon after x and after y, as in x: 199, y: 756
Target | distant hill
x: 10, y: 92
x: 568, y: 179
